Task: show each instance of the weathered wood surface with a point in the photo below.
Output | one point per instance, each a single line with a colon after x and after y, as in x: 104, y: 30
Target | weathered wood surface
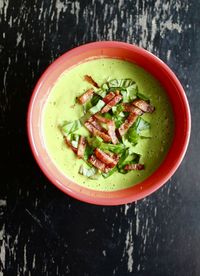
x: 43, y: 231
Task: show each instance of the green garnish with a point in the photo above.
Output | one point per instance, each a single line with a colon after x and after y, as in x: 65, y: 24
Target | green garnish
x: 101, y: 93
x: 118, y: 121
x: 119, y: 148
x: 74, y: 138
x: 117, y: 109
x: 96, y: 108
x: 119, y: 151
x: 96, y: 142
x: 108, y: 116
x: 105, y: 87
x: 88, y: 105
x: 70, y: 127
x: 88, y: 172
x: 142, y: 97
x: 106, y: 175
x: 121, y: 83
x: 134, y: 132
x: 88, y: 152
x: 130, y: 93
x: 127, y: 158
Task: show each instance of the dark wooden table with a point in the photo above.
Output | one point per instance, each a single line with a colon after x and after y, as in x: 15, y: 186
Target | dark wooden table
x: 42, y: 230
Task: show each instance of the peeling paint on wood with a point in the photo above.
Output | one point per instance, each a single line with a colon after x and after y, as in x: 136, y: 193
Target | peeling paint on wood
x: 42, y: 231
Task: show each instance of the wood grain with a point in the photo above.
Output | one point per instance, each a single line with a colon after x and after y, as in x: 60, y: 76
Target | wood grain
x: 44, y: 232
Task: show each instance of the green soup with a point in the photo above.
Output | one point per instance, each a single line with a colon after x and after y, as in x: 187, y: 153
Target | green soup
x: 61, y: 106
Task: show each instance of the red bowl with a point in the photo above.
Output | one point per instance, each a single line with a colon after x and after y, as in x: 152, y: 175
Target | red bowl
x: 154, y: 66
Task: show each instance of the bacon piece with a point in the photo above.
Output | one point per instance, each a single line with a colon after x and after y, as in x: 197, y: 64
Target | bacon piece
x: 81, y: 147
x: 134, y: 167
x: 101, y: 119
x: 113, y: 102
x: 113, y: 155
x: 107, y: 169
x: 110, y: 124
x: 105, y: 158
x: 111, y: 131
x: 116, y: 157
x: 85, y: 96
x: 109, y: 97
x: 91, y: 81
x: 127, y: 124
x: 96, y: 132
x: 97, y: 163
x: 144, y: 106
x: 131, y: 108
x: 92, y: 120
x: 69, y: 144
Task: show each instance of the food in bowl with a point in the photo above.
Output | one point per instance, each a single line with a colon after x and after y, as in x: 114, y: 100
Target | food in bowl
x: 98, y: 109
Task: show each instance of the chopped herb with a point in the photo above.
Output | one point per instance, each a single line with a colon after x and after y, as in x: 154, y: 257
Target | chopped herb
x: 95, y: 99
x: 104, y: 87
x: 142, y: 125
x: 133, y: 134
x: 117, y: 109
x: 107, y: 115
x: 88, y: 152
x: 101, y: 93
x: 118, y: 148
x: 142, y: 97
x: 74, y: 138
x: 96, y: 142
x: 88, y: 172
x: 118, y: 121
x: 106, y: 175
x: 70, y: 127
x: 127, y: 158
x: 121, y: 83
x: 122, y: 154
x: 89, y: 105
x: 97, y: 107
x: 86, y: 107
x: 130, y: 93
x: 85, y: 117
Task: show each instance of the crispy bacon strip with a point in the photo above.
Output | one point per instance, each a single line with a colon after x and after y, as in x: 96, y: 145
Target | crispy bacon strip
x: 91, y: 81
x: 111, y: 131
x: 105, y: 158
x: 108, y: 168
x: 130, y: 108
x: 81, y: 147
x: 92, y: 120
x: 69, y: 144
x: 109, y: 97
x: 96, y: 132
x: 127, y: 124
x: 101, y: 119
x: 113, y: 102
x: 97, y: 163
x: 85, y: 96
x: 114, y: 156
x: 144, y: 106
x: 134, y: 167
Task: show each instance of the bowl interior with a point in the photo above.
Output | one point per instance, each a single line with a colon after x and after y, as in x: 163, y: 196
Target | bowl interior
x: 151, y: 64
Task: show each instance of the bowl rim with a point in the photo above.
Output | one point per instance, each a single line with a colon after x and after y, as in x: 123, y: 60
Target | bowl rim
x: 107, y: 201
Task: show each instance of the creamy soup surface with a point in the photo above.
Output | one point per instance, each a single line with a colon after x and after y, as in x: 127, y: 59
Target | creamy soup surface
x: 61, y: 106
